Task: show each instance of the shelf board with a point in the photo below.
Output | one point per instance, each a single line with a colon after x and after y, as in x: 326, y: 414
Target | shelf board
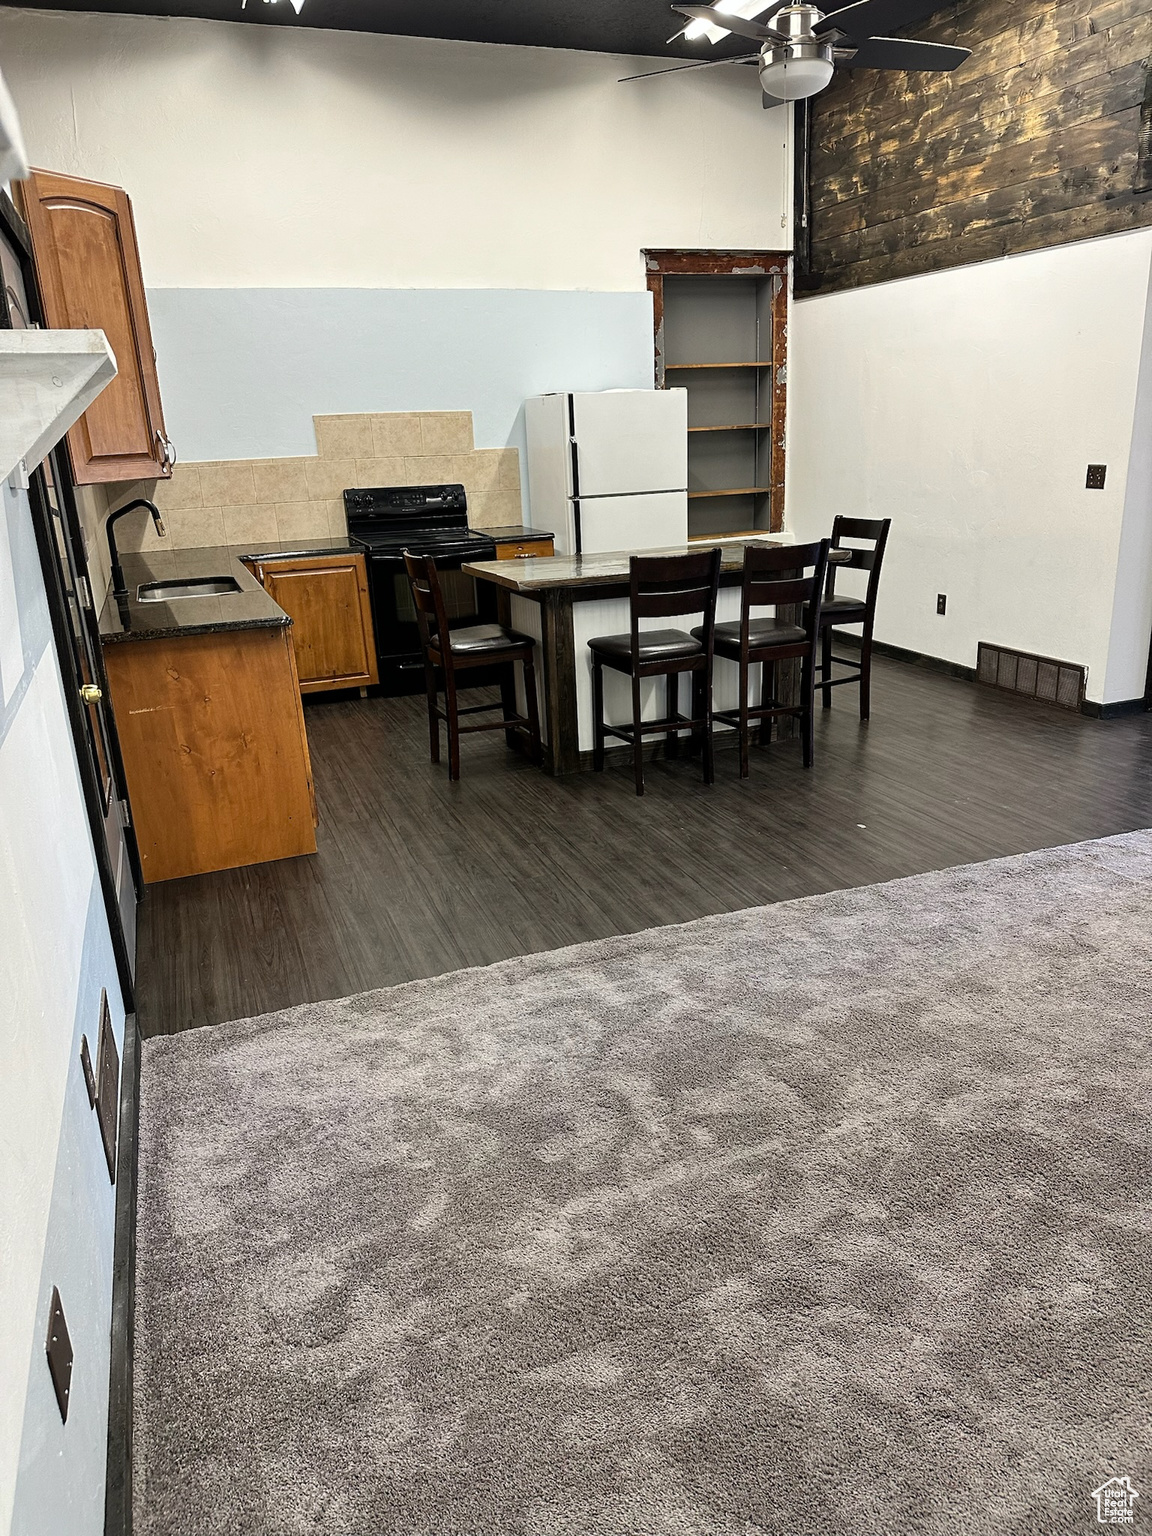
x: 680, y: 367
x: 737, y: 426
x: 743, y: 490
x: 48, y: 379
x: 728, y: 533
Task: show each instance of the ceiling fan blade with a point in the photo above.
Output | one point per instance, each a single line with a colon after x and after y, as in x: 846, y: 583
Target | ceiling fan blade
x: 676, y: 69
x: 872, y: 18
x: 767, y: 101
x: 753, y: 29
x: 905, y: 53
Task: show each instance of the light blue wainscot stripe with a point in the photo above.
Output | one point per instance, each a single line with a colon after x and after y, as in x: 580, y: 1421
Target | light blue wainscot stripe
x: 61, y: 1476
x: 244, y: 370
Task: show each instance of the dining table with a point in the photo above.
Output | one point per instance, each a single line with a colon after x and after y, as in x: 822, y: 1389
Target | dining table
x: 564, y: 600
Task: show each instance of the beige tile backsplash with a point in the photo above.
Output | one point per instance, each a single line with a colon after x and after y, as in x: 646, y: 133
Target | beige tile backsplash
x: 240, y: 501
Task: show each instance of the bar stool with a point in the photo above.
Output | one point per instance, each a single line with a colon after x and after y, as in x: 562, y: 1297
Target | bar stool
x: 852, y: 610
x: 774, y: 576
x: 662, y: 585
x: 480, y: 645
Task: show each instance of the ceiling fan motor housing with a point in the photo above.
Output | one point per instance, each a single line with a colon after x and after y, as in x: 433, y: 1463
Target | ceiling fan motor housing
x: 795, y: 21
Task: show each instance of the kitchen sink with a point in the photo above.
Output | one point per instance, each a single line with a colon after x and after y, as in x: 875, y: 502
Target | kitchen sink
x: 193, y: 586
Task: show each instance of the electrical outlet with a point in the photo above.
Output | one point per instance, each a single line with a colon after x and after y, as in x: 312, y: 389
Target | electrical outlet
x: 941, y: 601
x: 107, y: 1085
x: 59, y: 1350
x: 1095, y: 478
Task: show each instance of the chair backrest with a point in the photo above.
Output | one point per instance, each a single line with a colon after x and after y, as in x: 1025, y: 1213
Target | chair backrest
x: 427, y: 599
x: 784, y: 575
x: 870, y: 560
x: 666, y: 585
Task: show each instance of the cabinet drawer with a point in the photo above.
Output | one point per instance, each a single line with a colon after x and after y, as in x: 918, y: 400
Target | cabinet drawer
x: 524, y: 550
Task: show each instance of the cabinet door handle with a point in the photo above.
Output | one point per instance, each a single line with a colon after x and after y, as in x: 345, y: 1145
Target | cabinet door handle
x: 167, y: 449
x: 91, y: 693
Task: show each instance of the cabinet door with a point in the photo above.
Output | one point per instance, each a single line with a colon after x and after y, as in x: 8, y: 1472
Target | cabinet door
x: 327, y: 600
x: 88, y: 267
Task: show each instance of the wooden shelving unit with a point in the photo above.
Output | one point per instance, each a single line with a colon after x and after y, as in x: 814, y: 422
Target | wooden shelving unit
x: 721, y: 334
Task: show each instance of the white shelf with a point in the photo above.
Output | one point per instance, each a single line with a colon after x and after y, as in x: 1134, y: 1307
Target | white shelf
x: 48, y: 379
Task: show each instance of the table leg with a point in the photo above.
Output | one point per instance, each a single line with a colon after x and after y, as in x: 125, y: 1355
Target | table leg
x: 562, y: 754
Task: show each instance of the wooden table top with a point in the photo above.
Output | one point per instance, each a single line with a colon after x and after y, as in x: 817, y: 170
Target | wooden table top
x: 545, y: 573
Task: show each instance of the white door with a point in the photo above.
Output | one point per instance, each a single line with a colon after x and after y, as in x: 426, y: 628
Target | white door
x: 631, y: 440
x: 633, y: 523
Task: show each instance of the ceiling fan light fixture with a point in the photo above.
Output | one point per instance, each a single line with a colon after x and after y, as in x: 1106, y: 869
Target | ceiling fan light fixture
x: 795, y: 71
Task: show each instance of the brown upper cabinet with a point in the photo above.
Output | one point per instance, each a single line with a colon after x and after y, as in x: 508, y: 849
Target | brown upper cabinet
x: 88, y: 267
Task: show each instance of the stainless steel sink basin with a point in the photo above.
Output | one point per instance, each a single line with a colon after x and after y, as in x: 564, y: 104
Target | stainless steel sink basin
x: 193, y: 586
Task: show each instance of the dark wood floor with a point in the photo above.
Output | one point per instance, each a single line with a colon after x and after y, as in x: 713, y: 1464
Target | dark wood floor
x: 416, y: 876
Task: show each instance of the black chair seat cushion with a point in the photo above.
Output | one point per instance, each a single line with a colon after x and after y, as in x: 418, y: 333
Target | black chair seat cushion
x: 486, y: 637
x: 655, y: 645
x: 761, y: 632
x: 843, y: 610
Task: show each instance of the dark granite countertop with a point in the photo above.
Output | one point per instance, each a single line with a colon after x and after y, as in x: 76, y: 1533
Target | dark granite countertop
x: 542, y: 573
x: 512, y: 533
x: 250, y: 608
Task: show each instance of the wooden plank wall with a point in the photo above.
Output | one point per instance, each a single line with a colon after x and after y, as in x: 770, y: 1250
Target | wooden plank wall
x: 1043, y: 136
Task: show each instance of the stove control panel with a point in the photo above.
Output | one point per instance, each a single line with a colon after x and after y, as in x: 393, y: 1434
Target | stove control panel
x: 405, y: 500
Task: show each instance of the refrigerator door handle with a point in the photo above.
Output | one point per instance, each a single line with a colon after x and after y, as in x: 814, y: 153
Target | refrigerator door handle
x: 574, y: 449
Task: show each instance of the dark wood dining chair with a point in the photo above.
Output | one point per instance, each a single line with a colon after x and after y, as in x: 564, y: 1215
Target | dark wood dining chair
x: 838, y: 611
x: 775, y: 576
x: 662, y: 586
x: 448, y: 651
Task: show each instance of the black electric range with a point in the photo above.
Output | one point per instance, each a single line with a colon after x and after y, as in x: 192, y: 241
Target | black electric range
x: 426, y: 520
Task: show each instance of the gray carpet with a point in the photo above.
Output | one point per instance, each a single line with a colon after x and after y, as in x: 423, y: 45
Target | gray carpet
x: 827, y: 1217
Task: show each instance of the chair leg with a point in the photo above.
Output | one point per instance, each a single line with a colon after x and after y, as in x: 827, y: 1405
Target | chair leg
x: 508, y: 701
x: 767, y: 696
x: 453, y: 725
x: 808, y: 700
x: 532, y: 709
x: 709, y: 764
x: 826, y: 664
x: 697, y: 710
x: 597, y: 715
x: 866, y: 672
x: 743, y: 727
x: 637, y: 738
x: 672, y: 740
x: 433, y: 721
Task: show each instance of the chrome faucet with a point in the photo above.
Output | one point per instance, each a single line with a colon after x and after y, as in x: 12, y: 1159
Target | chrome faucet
x: 118, y: 587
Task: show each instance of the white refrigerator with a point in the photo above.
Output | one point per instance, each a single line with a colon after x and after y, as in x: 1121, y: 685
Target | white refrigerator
x: 609, y: 470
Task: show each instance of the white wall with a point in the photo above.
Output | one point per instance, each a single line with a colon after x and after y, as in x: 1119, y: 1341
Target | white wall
x: 276, y: 157
x: 56, y: 1202
x: 336, y: 222
x: 966, y: 405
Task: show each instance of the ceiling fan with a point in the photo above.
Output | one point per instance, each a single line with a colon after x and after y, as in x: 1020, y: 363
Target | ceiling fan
x: 800, y: 46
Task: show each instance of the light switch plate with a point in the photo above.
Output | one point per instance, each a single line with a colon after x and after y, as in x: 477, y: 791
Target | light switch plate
x: 59, y: 1349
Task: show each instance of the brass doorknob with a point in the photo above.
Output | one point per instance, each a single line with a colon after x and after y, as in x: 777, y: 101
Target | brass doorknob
x: 91, y: 694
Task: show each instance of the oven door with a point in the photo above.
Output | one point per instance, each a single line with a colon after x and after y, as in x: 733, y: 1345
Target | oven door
x: 398, y: 653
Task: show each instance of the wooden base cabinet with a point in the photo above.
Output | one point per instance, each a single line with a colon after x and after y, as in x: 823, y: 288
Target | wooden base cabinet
x: 326, y: 597
x: 212, y: 731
